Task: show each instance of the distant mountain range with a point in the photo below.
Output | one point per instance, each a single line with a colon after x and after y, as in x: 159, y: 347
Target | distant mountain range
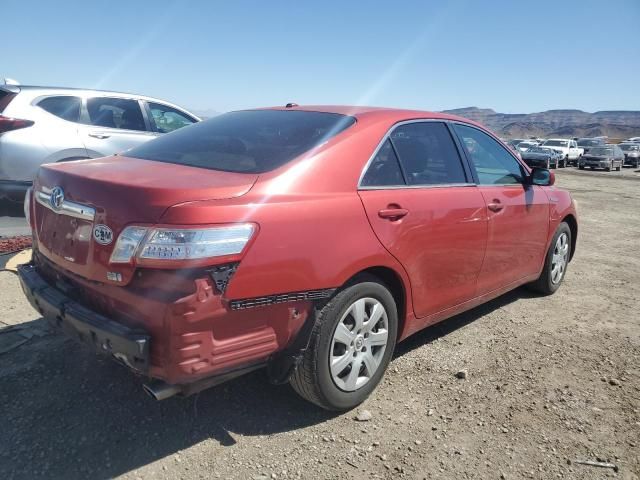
x: 618, y: 124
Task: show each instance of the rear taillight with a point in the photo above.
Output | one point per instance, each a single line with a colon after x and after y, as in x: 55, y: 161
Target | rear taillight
x: 8, y: 124
x: 144, y: 245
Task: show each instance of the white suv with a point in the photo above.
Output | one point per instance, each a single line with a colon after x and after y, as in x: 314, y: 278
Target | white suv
x: 49, y: 124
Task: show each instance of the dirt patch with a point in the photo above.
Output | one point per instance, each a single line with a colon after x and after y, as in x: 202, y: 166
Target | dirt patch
x: 549, y: 380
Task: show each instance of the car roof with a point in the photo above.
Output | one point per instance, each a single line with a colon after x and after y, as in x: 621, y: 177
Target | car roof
x: 392, y: 115
x: 42, y: 90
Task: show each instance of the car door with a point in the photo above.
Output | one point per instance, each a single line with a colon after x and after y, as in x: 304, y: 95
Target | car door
x: 518, y: 213
x: 113, y: 125
x: 59, y: 128
x: 573, y: 150
x: 426, y: 211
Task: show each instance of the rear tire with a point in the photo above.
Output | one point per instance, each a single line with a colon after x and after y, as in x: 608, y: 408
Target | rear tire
x: 556, y: 262
x: 335, y: 388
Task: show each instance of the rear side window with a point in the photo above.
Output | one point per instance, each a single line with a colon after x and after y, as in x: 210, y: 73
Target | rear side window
x: 384, y: 170
x: 493, y: 163
x: 115, y: 113
x: 251, y: 141
x: 65, y: 107
x: 428, y: 154
x: 165, y: 119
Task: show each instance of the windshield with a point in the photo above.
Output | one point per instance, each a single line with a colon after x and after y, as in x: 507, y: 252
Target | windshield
x: 601, y: 151
x: 538, y: 150
x: 556, y: 143
x: 589, y: 143
x: 251, y: 141
x: 629, y: 147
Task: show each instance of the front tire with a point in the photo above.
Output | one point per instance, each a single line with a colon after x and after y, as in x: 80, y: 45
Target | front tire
x: 556, y: 262
x: 350, y: 347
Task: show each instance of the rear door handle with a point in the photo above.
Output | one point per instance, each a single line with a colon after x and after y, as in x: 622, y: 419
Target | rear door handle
x: 393, y: 213
x: 99, y: 135
x: 495, y: 205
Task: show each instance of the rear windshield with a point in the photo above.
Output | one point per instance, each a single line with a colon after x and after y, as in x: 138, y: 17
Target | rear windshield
x: 5, y: 98
x: 601, y: 151
x: 589, y: 143
x: 628, y: 147
x: 251, y: 141
x: 556, y: 143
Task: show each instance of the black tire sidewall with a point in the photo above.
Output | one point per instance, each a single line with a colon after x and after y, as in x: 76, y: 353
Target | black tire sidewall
x: 337, y: 398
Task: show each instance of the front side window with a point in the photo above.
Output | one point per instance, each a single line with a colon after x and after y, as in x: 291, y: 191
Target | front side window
x: 428, y: 154
x: 493, y: 164
x: 115, y: 113
x: 250, y: 141
x: 384, y: 170
x: 65, y: 107
x: 166, y: 119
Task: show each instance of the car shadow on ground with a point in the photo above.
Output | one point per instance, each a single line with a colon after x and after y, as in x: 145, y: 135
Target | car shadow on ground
x: 67, y: 413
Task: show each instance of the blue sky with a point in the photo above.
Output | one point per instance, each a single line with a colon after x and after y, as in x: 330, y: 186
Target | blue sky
x: 512, y: 56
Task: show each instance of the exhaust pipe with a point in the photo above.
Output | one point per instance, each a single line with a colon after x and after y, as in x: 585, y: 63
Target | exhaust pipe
x: 161, y: 390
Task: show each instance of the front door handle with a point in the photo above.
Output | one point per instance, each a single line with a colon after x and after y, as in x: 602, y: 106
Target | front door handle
x: 99, y: 135
x: 495, y: 205
x: 393, y: 214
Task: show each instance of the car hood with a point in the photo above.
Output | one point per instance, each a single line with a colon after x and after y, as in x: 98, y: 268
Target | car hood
x: 119, y: 191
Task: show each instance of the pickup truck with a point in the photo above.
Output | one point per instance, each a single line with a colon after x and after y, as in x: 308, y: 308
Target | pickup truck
x: 567, y: 147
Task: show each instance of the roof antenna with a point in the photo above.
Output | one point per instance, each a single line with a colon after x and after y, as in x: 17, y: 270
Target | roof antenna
x: 290, y: 105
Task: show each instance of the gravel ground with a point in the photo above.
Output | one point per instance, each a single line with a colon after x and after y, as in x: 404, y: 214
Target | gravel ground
x: 548, y: 381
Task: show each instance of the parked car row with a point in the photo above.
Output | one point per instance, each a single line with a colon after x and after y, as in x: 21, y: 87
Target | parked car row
x: 48, y: 124
x: 582, y: 152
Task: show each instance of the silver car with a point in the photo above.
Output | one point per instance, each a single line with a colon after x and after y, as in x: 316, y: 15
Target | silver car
x: 49, y: 124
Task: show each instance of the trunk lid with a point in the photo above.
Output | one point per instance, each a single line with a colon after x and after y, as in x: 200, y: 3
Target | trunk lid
x: 113, y: 192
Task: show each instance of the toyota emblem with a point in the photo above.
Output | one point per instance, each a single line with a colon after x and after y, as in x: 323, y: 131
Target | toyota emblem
x: 57, y: 198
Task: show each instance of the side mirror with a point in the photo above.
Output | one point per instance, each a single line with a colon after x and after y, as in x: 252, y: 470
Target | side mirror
x: 542, y: 177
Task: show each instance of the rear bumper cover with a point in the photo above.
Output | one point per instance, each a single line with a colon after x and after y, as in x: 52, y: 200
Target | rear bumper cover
x: 103, y: 335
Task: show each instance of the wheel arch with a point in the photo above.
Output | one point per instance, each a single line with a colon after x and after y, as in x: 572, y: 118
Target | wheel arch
x: 573, y: 226
x: 396, y: 285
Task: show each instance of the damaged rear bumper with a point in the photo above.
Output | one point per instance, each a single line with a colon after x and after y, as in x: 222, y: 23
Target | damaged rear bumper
x: 103, y: 335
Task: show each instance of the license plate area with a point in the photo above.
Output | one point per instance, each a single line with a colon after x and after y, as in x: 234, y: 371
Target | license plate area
x: 65, y: 236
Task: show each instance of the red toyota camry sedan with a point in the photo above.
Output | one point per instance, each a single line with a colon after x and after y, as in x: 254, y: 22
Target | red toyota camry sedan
x: 307, y: 240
